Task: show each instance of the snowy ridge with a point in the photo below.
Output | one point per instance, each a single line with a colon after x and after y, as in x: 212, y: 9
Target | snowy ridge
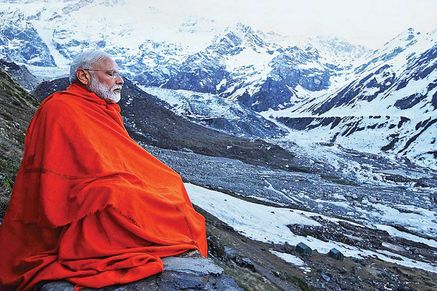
x: 216, y: 112
x: 405, y: 66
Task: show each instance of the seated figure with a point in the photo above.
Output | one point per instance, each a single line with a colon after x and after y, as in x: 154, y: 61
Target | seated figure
x: 89, y: 205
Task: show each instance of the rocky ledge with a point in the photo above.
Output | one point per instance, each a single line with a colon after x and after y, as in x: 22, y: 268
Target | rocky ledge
x: 181, y: 273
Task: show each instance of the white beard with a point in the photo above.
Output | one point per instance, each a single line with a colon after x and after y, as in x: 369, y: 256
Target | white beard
x: 104, y: 92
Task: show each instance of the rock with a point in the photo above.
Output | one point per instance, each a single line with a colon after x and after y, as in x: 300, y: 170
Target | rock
x: 288, y: 248
x: 326, y: 277
x: 434, y: 198
x: 245, y: 263
x: 404, y: 287
x: 195, y: 266
x: 426, y: 182
x: 303, y: 249
x: 180, y: 273
x: 336, y: 254
x: 215, y: 248
x: 230, y: 253
x: 57, y: 286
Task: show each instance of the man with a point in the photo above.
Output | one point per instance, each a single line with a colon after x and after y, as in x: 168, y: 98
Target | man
x: 89, y: 205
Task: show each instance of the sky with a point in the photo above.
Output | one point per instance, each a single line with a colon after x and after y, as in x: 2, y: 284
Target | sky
x: 368, y: 22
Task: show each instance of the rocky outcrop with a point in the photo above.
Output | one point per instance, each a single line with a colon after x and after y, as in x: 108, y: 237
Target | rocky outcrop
x: 180, y: 274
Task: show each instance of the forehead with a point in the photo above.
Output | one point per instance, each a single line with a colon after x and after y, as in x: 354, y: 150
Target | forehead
x: 106, y: 64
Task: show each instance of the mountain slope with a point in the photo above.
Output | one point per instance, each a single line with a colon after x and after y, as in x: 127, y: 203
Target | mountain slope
x: 388, y: 106
x: 20, y: 41
x: 16, y: 109
x: 218, y: 113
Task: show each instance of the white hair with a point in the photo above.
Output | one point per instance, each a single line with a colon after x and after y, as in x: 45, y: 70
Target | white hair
x: 85, y: 60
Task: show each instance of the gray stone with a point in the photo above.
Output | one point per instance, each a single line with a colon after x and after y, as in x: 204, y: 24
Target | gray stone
x: 198, y: 266
x: 303, y: 249
x: 230, y: 253
x: 434, y: 197
x: 336, y: 254
x: 288, y: 248
x: 245, y: 263
x: 326, y: 277
x: 57, y: 286
x: 180, y: 273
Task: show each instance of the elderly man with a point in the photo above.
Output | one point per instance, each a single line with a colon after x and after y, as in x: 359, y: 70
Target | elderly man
x: 89, y: 205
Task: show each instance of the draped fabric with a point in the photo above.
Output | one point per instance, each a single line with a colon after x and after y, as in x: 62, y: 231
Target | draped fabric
x: 89, y: 205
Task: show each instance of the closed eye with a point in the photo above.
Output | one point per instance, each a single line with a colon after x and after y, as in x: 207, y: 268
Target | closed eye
x: 113, y: 74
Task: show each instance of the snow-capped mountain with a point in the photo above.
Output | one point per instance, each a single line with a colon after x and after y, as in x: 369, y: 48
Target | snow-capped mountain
x: 219, y: 113
x: 154, y: 63
x: 387, y: 106
x: 20, y: 41
x: 399, y: 76
x: 238, y: 63
x: 242, y: 65
x: 337, y: 51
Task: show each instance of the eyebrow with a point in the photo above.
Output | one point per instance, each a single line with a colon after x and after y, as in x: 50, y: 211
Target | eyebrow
x: 107, y: 70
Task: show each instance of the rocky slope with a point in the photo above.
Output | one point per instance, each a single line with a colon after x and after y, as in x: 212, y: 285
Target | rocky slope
x: 16, y: 108
x: 20, y: 74
x: 218, y: 113
x: 181, y: 273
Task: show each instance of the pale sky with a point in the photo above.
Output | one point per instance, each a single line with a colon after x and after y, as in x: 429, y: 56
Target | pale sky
x: 368, y: 22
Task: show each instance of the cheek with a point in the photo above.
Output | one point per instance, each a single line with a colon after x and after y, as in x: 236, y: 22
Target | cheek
x: 108, y: 86
x: 105, y: 81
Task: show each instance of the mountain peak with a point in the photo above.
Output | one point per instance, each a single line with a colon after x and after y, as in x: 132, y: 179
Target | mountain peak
x: 238, y: 36
x: 406, y: 37
x: 336, y: 50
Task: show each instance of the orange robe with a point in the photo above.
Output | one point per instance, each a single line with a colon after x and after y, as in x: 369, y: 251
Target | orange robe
x: 89, y: 205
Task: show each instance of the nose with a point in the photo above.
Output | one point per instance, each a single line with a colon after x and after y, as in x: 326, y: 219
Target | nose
x: 119, y: 80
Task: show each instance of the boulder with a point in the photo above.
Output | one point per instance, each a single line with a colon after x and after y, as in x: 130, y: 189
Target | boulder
x: 180, y: 273
x: 336, y: 254
x: 303, y: 249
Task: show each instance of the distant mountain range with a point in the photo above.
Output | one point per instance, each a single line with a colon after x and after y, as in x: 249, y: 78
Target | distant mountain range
x: 247, y: 82
x: 387, y: 104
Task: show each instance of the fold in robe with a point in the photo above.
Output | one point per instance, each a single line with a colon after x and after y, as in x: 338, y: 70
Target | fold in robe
x: 89, y: 205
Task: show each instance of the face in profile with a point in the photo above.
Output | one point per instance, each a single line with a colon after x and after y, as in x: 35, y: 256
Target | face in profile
x: 106, y: 81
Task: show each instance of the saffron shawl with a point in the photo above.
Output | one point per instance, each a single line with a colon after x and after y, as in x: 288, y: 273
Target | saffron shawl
x: 89, y: 205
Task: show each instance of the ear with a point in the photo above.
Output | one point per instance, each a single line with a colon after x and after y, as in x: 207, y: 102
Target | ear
x: 83, y: 77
